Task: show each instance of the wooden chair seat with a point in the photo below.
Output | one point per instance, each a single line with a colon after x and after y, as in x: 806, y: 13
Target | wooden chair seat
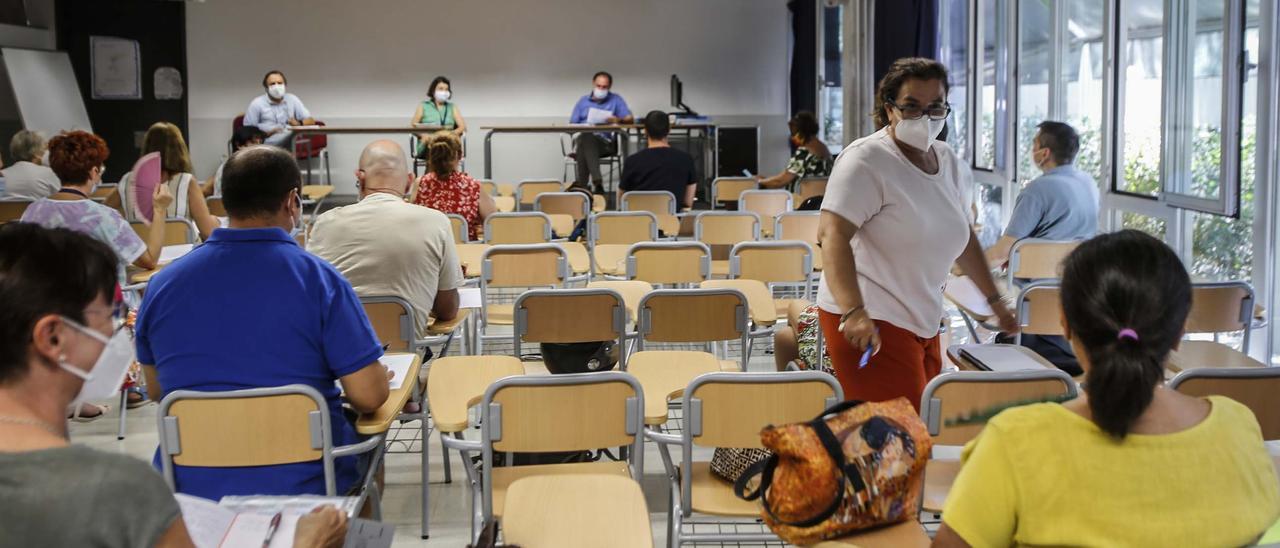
x: 668, y: 224
x: 1198, y: 354
x: 731, y: 366
x: 438, y: 327
x: 505, y: 204
x: 782, y: 306
x: 454, y: 384
x: 504, y: 476
x: 579, y: 259
x: 598, y: 203
x: 632, y: 292
x: 939, y: 475
x: 506, y: 189
x: 908, y: 534
x: 720, y: 268
x: 611, y: 259
x: 470, y: 256
x: 713, y: 495
x: 664, y: 374
x: 500, y: 314
x: 576, y: 511
x: 562, y: 225
x: 762, y: 308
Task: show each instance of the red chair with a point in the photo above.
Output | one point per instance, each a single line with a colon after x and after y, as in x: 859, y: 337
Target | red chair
x: 304, y: 148
x: 236, y: 124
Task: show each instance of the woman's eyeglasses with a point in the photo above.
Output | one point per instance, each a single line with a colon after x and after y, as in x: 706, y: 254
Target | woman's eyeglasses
x: 913, y: 112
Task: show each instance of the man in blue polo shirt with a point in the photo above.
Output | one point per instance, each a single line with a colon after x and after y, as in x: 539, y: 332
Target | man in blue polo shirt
x: 249, y: 309
x: 601, y: 106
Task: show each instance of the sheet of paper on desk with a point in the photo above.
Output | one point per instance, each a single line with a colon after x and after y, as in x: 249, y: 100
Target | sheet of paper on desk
x: 399, y: 365
x: 469, y: 297
x: 962, y: 291
x: 250, y: 529
x: 206, y: 522
x: 598, y: 116
x: 363, y: 533
x: 298, y: 504
x: 170, y: 252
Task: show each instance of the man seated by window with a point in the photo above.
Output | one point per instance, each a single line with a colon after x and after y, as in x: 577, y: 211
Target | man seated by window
x: 601, y: 106
x: 250, y: 309
x: 386, y: 246
x: 1061, y: 204
x: 660, y: 167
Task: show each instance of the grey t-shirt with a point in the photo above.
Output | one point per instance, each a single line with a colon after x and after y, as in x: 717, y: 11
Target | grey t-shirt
x: 76, y: 496
x: 1062, y: 204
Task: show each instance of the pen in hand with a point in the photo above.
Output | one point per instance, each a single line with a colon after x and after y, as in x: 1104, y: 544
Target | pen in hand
x: 271, y: 530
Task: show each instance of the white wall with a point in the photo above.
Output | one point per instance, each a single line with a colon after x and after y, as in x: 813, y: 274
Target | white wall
x: 514, y: 62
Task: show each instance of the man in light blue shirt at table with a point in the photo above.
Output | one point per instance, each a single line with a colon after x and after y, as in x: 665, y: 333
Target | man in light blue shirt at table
x: 1061, y: 204
x: 588, y: 148
x: 275, y: 111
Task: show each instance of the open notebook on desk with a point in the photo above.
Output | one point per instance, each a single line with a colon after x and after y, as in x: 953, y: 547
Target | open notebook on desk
x: 245, y: 521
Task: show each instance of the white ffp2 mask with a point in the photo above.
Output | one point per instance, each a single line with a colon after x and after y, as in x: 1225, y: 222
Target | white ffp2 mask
x: 109, y: 369
x: 443, y: 96
x: 599, y: 94
x: 276, y: 91
x: 919, y: 133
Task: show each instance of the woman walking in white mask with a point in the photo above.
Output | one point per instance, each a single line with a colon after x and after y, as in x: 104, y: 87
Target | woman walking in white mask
x: 276, y: 111
x: 895, y: 218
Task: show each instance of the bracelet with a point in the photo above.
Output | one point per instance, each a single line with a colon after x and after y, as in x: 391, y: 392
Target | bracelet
x: 844, y: 317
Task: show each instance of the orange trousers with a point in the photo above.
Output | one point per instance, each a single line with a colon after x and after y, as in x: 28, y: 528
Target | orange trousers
x: 902, y: 368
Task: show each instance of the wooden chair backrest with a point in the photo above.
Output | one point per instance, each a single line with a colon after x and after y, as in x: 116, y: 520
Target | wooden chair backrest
x: 236, y: 432
x: 768, y: 204
x: 460, y: 229
x: 525, y: 267
x: 12, y: 210
x: 1256, y: 393
x: 390, y: 321
x: 517, y: 228
x: 567, y: 317
x: 962, y: 398
x: 528, y: 191
x: 1041, y: 313
x: 809, y: 187
x: 176, y: 231
x: 734, y: 413
x: 215, y: 206
x: 1218, y: 308
x: 693, y: 317
x: 658, y: 204
x: 489, y: 187
x: 576, y: 510
x: 729, y: 189
x: 573, y: 204
x: 729, y: 229
x: 774, y: 264
x: 623, y: 229
x: 670, y: 265
x: 1041, y: 260
x: 798, y: 225
x: 564, y: 418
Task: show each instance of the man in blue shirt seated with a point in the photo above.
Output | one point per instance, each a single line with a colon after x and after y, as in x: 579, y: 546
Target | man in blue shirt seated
x: 588, y: 148
x: 1061, y: 204
x: 275, y: 111
x: 249, y: 309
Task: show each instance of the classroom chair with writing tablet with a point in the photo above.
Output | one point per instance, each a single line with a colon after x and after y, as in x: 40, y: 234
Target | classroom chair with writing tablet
x: 258, y: 427
x: 1036, y: 259
x: 461, y: 231
x: 570, y: 316
x: 962, y: 393
x: 1256, y: 388
x: 809, y: 187
x: 612, y: 233
x: 730, y: 189
x: 729, y: 410
x: 803, y: 226
x: 516, y: 266
x: 661, y: 203
x: 721, y: 230
x: 576, y: 511
x: 1217, y: 307
x: 575, y: 205
x: 767, y: 204
x: 527, y: 191
x: 669, y: 263
x: 1038, y: 309
x: 775, y: 262
x: 526, y: 227
x: 541, y: 413
x: 12, y: 210
x: 705, y: 317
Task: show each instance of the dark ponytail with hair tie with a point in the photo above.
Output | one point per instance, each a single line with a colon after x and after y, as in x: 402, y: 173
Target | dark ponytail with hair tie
x: 1114, y: 287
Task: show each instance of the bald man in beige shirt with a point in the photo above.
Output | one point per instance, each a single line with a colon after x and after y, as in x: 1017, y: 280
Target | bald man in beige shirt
x: 385, y: 246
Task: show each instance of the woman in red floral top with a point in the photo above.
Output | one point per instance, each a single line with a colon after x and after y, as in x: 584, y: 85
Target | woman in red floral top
x: 448, y: 190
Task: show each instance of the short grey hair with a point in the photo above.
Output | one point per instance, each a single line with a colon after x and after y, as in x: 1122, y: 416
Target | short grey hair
x: 26, y: 146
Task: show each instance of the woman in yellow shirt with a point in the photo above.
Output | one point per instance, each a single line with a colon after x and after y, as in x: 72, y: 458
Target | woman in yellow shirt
x: 1134, y: 463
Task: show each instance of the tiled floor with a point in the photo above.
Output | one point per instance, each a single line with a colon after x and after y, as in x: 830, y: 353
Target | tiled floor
x: 401, y: 502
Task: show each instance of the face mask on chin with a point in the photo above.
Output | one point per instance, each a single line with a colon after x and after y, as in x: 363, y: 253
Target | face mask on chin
x: 919, y: 133
x: 104, y: 379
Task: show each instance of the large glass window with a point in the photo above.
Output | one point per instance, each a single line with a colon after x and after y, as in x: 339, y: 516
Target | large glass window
x: 831, y: 94
x: 993, y: 99
x: 1035, y: 66
x: 1082, y: 82
x: 953, y: 46
x: 1141, y: 64
x: 1195, y: 124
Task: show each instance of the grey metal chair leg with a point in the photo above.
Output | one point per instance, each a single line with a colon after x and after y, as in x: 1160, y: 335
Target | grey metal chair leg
x: 448, y: 466
x: 124, y: 408
x: 426, y: 471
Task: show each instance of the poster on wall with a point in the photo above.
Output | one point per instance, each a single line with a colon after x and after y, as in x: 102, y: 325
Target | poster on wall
x: 168, y: 83
x: 115, y: 68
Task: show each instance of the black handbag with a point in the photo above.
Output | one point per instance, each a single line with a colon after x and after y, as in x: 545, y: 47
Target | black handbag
x: 584, y: 357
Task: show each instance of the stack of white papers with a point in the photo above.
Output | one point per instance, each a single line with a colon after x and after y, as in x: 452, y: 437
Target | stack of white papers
x: 398, y: 364
x: 169, y: 253
x: 598, y: 116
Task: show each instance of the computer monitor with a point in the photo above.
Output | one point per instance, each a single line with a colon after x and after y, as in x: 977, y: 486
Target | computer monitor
x: 677, y: 96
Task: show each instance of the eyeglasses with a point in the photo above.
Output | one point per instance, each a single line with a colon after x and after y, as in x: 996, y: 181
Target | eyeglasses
x: 913, y: 112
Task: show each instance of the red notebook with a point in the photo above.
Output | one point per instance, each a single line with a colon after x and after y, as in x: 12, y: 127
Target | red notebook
x: 144, y: 178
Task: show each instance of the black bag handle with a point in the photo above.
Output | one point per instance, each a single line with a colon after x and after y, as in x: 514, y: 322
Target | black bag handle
x: 829, y: 442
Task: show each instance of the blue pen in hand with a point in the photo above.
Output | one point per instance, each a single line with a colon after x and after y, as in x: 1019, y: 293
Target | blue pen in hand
x: 866, y: 354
